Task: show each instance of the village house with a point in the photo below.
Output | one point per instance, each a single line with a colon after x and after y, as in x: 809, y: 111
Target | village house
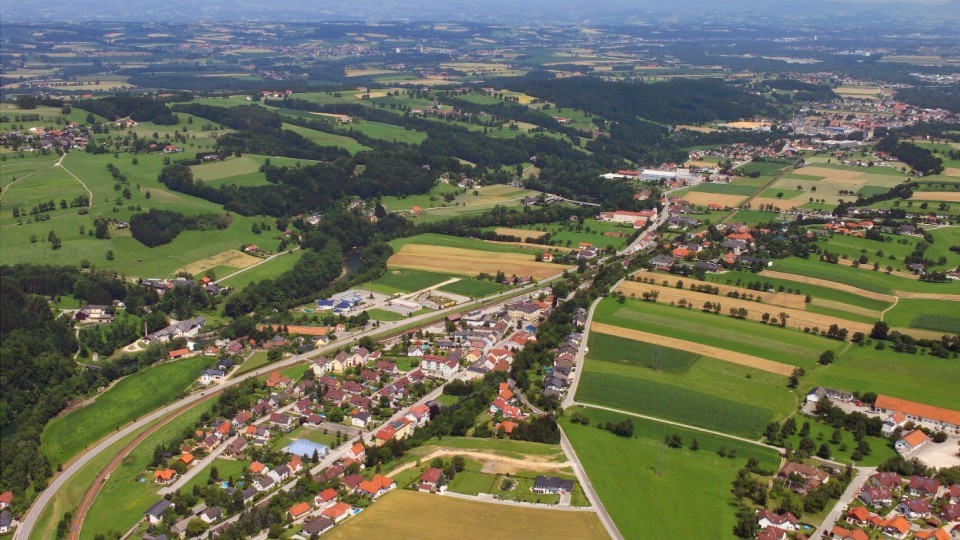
x: 338, y: 512
x: 154, y: 514
x: 802, y: 478
x: 551, y: 485
x: 786, y: 521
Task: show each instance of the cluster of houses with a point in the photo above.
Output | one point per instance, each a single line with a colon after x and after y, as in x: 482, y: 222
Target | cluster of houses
x: 560, y: 375
x: 505, y: 410
x: 97, y: 314
x: 70, y: 137
x: 734, y: 249
x: 894, y: 507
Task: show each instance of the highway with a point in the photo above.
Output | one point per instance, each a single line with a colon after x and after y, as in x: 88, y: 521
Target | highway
x: 32, y: 515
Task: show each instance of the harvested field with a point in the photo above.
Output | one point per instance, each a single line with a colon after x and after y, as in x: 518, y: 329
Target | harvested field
x: 519, y: 233
x: 845, y: 307
x: 232, y: 258
x: 929, y: 296
x: 795, y: 301
x: 843, y: 176
x: 372, y: 95
x: 869, y: 268
x: 951, y: 171
x: 703, y: 198
x: 829, y: 284
x: 746, y: 125
x: 782, y: 204
x: 797, y: 318
x: 469, y: 262
x: 704, y: 350
x: 465, y: 519
x: 936, y: 196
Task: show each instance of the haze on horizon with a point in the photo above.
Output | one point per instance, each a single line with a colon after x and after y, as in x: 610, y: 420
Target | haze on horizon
x: 486, y: 11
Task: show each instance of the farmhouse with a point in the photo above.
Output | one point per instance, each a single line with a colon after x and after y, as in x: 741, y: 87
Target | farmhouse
x: 918, y: 412
x: 552, y: 485
x: 187, y: 328
x: 820, y: 392
x: 92, y: 314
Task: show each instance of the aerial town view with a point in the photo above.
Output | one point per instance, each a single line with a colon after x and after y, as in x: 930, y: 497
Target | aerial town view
x: 424, y: 269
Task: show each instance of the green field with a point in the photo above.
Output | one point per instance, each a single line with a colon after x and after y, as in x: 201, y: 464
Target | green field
x: 436, y: 207
x: 740, y: 278
x: 431, y: 239
x: 610, y: 348
x: 226, y: 469
x: 943, y: 238
x: 323, y: 138
x: 123, y: 499
x: 940, y: 315
x: 763, y: 167
x: 402, y: 280
x: 388, y: 132
x: 258, y: 359
x: 272, y: 269
x: 474, y: 288
x: 384, y: 315
x: 753, y: 217
x: 473, y: 483
x: 130, y: 256
x: 917, y: 377
x: 571, y: 234
x: 785, y: 194
x: 68, y: 497
x: 650, y: 497
x: 765, y: 341
x: 133, y: 396
x: 862, y: 278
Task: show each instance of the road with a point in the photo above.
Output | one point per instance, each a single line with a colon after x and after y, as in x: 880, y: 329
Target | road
x: 588, y: 490
x: 848, y: 495
x: 32, y: 515
x: 581, y: 354
x: 197, y: 467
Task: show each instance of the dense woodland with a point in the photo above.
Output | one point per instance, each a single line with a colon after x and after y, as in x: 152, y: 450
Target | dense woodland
x: 158, y: 227
x: 139, y: 108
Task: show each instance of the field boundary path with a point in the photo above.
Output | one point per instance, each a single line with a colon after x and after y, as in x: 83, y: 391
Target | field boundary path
x: 828, y: 284
x: 527, y: 464
x: 740, y: 206
x: 928, y: 296
x: 705, y: 350
x: 75, y: 177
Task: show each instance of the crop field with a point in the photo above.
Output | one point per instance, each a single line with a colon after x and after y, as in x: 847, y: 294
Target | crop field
x: 441, y: 240
x: 724, y: 189
x: 400, y: 280
x: 612, y: 348
x: 122, y: 499
x: 218, y: 170
x: 863, y: 278
x: 388, y: 132
x: 820, y: 180
x: 697, y: 390
x: 469, y: 262
x: 704, y: 198
x: 798, y: 317
x: 135, y: 395
x: 683, y: 481
x: 465, y: 519
x: 937, y: 315
x: 435, y: 207
x: 780, y: 345
x: 522, y: 234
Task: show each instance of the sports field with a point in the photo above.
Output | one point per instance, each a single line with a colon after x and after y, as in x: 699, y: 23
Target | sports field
x: 651, y: 491
x: 464, y: 519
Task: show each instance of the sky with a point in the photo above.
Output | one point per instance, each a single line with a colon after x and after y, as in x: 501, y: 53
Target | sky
x: 502, y: 11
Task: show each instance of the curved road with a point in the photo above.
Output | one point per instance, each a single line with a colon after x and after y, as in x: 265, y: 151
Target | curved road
x: 33, y: 514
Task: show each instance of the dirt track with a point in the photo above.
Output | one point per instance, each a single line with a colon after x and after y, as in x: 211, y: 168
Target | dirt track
x: 697, y: 348
x: 828, y: 284
x: 492, y: 463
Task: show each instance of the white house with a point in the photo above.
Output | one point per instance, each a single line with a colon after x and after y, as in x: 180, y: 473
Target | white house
x: 211, y: 376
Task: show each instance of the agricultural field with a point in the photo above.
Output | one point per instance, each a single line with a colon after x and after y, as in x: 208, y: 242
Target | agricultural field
x: 133, y: 396
x: 388, y: 132
x: 122, y: 499
x: 571, y: 234
x: 682, y: 386
x: 782, y: 346
x: 474, y: 288
x: 469, y: 261
x: 464, y: 519
x: 862, y: 278
x: 256, y: 360
x: 937, y: 315
x: 829, y: 183
x: 666, y: 480
x: 400, y: 280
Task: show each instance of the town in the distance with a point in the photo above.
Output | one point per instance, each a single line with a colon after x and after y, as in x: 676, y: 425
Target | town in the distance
x: 434, y: 276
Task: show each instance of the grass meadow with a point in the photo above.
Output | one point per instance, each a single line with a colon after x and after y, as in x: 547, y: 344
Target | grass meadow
x: 653, y: 492
x: 133, y: 396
